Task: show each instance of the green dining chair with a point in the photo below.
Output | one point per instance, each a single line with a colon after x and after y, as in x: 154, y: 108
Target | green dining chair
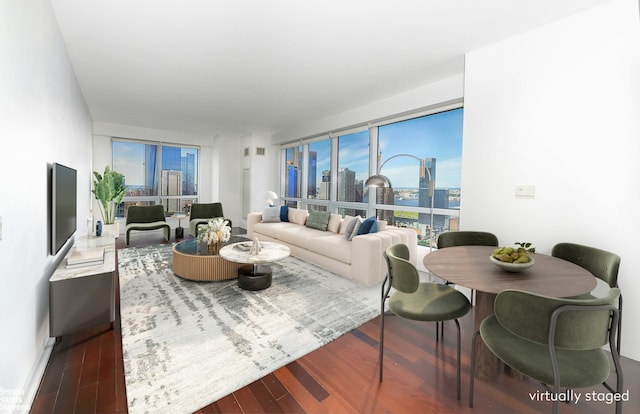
x: 465, y: 238
x: 555, y: 341
x: 420, y: 301
x: 602, y: 264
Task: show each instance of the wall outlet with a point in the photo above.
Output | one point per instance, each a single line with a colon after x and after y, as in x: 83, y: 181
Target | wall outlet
x: 525, y: 191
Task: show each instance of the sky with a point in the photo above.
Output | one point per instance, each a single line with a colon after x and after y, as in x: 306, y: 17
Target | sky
x: 128, y: 159
x: 436, y: 136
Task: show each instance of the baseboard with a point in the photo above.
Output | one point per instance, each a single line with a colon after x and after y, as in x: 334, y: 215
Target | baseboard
x: 31, y: 387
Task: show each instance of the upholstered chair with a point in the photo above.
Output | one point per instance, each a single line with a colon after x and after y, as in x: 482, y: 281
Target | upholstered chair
x: 602, y: 264
x: 416, y: 300
x: 142, y: 218
x: 201, y: 213
x: 555, y: 341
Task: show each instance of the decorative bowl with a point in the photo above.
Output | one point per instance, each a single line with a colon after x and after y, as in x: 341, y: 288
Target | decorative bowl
x: 512, y: 267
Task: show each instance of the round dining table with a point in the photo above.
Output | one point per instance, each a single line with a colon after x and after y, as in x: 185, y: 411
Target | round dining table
x: 469, y: 266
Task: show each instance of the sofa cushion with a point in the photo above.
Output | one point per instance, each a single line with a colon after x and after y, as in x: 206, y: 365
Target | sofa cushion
x: 334, y: 223
x: 297, y: 216
x: 272, y: 229
x: 284, y: 213
x: 318, y: 220
x: 300, y: 235
x: 334, y: 246
x: 352, y: 227
x: 370, y: 225
x: 271, y: 215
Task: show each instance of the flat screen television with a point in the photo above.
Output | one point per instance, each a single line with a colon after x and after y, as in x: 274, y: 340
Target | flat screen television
x: 64, y: 187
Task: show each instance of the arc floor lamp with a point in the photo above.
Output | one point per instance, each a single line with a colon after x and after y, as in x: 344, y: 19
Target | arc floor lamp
x: 381, y: 181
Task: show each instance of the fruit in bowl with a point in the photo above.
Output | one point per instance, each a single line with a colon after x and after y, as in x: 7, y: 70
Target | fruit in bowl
x: 514, y: 259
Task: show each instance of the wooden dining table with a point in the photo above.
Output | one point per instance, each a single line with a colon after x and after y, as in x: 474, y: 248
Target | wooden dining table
x: 469, y: 266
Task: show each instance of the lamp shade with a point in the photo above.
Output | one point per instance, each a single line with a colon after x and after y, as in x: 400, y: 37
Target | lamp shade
x: 269, y: 196
x: 378, y: 180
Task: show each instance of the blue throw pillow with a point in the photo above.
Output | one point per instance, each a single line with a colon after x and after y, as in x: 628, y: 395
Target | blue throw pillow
x: 284, y: 213
x: 370, y: 225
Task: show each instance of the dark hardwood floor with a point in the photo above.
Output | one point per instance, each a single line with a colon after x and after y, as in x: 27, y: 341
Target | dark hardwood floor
x: 85, y: 375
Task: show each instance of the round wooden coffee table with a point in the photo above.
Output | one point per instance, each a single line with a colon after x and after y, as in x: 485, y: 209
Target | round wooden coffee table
x: 192, y: 264
x: 256, y: 274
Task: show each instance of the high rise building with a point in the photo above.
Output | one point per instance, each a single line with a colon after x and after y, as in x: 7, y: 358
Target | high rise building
x: 312, y: 189
x: 424, y: 190
x: 188, y: 168
x: 293, y: 168
x: 325, y: 185
x: 171, y: 185
x: 149, y: 169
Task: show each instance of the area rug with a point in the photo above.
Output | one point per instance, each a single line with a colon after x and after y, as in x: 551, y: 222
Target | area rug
x: 187, y: 344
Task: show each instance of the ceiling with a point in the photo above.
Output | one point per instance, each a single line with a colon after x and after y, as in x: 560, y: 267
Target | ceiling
x: 233, y: 67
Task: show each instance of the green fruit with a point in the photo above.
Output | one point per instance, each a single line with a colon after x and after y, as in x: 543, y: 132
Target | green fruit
x: 504, y: 258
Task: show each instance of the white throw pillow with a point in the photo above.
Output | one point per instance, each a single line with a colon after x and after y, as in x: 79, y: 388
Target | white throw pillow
x: 271, y: 215
x: 297, y: 216
x: 334, y: 223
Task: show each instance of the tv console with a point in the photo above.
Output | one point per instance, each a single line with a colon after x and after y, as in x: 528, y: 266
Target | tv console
x: 83, y: 297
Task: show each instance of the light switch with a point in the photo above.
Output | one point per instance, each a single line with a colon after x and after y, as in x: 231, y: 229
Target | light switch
x: 525, y: 191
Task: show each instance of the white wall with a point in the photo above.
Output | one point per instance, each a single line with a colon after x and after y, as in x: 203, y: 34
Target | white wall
x: 44, y: 119
x: 558, y: 108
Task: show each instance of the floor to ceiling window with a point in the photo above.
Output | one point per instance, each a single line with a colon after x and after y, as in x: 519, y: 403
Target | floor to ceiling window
x: 420, y: 156
x: 157, y: 173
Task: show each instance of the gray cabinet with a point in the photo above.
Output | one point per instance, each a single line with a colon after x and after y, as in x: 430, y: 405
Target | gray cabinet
x: 83, y: 297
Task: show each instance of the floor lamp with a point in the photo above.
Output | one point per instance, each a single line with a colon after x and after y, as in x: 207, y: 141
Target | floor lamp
x: 381, y: 181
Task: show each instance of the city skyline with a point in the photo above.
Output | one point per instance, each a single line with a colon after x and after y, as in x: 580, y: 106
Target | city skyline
x: 436, y: 136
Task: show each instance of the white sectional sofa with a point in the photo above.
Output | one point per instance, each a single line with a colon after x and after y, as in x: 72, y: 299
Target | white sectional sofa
x: 360, y: 259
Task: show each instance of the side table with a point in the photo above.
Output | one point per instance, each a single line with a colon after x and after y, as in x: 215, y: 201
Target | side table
x: 179, y: 229
x: 257, y: 275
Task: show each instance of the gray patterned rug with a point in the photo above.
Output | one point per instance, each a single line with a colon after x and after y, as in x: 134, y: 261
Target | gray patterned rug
x: 187, y: 344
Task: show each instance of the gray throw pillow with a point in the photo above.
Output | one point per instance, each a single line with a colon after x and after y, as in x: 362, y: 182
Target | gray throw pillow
x: 352, y: 227
x: 318, y: 220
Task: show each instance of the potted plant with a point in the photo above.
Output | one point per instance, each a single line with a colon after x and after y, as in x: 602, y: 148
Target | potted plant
x: 109, y: 190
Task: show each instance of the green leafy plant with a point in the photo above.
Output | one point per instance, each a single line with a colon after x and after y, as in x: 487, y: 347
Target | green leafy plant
x: 109, y: 189
x: 526, y: 246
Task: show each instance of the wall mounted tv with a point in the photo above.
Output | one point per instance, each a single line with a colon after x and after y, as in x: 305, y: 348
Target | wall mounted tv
x: 64, y: 186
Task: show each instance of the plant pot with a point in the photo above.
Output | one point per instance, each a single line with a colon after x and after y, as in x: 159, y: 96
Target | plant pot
x: 111, y: 228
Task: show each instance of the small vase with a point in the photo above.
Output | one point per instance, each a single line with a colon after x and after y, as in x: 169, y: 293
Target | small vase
x: 213, y: 248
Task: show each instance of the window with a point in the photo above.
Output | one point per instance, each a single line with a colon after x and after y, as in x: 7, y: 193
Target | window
x: 156, y: 173
x: 421, y: 157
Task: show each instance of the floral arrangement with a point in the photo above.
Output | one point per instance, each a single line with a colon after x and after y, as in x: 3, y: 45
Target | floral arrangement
x: 216, y: 231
